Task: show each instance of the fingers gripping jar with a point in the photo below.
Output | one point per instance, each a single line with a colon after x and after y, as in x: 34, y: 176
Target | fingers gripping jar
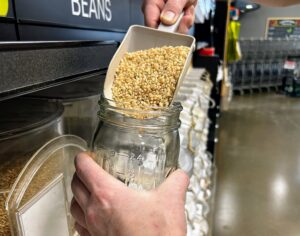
x: 140, y: 148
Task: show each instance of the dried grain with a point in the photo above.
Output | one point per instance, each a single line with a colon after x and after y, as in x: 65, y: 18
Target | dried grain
x: 148, y: 78
x: 4, y: 225
x: 10, y: 170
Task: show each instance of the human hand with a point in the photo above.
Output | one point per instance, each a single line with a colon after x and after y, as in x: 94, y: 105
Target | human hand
x: 167, y: 12
x: 102, y: 205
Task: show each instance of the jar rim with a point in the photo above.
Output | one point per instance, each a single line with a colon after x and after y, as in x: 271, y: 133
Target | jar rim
x: 160, y: 118
x: 174, y: 108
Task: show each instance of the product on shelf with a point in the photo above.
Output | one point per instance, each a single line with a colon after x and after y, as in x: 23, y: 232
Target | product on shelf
x: 194, y: 96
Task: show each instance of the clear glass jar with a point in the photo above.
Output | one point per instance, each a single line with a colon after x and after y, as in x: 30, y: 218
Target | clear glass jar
x: 140, y: 152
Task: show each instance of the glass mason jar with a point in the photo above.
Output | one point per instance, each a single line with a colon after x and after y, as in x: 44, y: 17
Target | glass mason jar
x: 140, y: 148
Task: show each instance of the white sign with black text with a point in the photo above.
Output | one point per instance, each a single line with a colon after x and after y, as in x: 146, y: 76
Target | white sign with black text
x: 93, y: 9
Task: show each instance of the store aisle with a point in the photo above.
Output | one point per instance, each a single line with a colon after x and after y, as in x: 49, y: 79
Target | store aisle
x: 258, y: 188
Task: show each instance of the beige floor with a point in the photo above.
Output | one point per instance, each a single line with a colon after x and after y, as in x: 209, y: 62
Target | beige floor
x: 258, y: 186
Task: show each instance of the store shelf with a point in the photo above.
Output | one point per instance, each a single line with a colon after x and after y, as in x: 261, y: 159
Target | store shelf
x: 27, y: 67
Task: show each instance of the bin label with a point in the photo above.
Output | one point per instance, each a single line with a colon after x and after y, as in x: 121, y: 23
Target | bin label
x: 97, y: 9
x: 109, y: 15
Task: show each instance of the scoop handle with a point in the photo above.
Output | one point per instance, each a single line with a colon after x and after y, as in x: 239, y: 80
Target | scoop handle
x: 171, y: 28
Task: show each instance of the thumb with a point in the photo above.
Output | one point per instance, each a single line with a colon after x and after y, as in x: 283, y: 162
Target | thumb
x: 175, y: 185
x: 172, y: 10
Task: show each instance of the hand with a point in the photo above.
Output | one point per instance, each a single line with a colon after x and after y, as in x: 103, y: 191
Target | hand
x: 167, y: 12
x: 102, y: 205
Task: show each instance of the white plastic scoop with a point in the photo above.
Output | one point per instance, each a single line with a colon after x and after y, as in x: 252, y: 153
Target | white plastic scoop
x: 142, y: 38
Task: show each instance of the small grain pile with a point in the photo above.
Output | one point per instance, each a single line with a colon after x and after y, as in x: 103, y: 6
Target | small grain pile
x: 148, y: 78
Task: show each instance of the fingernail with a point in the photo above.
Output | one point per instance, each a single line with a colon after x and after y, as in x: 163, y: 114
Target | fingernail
x: 169, y: 16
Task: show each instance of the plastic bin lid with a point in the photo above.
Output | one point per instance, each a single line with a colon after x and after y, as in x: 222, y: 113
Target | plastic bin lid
x: 24, y: 114
x: 39, y: 201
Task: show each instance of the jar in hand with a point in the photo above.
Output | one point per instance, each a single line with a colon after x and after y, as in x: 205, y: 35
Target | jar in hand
x: 138, y: 147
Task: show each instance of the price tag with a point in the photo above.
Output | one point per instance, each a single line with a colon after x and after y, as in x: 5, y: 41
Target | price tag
x: 46, y: 213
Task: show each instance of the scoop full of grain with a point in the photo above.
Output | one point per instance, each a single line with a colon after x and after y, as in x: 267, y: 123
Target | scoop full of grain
x: 148, y: 78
